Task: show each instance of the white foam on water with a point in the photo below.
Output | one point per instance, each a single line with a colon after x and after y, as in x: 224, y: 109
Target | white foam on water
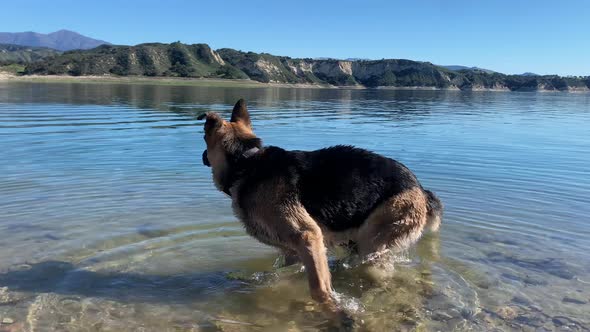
x: 348, y: 303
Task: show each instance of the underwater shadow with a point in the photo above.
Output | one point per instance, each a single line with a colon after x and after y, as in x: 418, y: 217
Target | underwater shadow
x: 65, y: 278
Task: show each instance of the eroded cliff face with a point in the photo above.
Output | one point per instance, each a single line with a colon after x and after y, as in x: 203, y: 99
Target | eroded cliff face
x: 217, y: 58
x: 578, y: 89
x: 270, y: 70
x: 332, y: 68
x: 493, y: 87
x: 300, y: 68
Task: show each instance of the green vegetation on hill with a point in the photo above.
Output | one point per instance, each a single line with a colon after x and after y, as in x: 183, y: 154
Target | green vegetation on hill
x: 154, y: 59
x: 199, y: 60
x: 14, y: 69
x: 14, y: 54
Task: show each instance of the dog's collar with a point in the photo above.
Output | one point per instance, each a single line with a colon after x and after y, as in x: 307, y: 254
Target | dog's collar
x: 247, y: 154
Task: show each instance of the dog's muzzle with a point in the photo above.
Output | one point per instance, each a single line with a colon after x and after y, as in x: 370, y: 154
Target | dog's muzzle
x: 205, y: 159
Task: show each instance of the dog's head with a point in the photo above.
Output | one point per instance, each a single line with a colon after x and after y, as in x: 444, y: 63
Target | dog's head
x: 227, y: 140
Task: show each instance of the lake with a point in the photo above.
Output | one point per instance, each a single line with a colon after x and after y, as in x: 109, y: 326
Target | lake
x: 110, y: 222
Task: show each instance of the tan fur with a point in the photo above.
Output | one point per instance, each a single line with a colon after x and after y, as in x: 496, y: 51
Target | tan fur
x: 433, y: 223
x: 218, y: 139
x: 395, y: 224
x: 274, y: 219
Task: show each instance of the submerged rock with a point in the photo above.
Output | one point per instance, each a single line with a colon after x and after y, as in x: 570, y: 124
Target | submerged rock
x: 12, y: 298
x: 563, y: 322
x: 568, y: 299
x: 441, y: 316
x: 7, y: 320
x: 551, y: 266
x: 520, y: 300
x: 533, y: 319
x: 534, y: 281
x: 507, y: 313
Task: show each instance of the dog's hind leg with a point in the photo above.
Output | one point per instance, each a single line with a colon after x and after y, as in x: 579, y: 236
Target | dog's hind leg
x: 395, y: 224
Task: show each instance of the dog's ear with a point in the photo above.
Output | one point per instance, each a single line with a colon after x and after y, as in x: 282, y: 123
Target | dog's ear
x: 213, y: 120
x: 240, y: 113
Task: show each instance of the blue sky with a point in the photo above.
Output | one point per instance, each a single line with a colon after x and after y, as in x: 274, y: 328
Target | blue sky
x: 545, y: 37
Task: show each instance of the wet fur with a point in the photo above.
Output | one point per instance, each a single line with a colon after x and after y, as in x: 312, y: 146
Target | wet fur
x: 302, y: 202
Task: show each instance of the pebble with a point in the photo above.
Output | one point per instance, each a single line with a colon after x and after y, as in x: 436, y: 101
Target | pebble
x: 531, y: 319
x: 7, y: 320
x: 520, y: 300
x: 533, y: 281
x: 507, y: 313
x: 425, y: 273
x: 568, y: 299
x: 561, y: 321
x: 441, y: 316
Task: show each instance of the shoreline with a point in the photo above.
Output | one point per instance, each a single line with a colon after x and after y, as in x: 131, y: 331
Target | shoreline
x: 222, y: 82
x: 177, y: 81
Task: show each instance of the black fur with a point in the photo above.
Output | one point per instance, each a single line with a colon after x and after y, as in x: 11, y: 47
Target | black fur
x: 234, y: 152
x: 339, y: 186
x: 435, y: 206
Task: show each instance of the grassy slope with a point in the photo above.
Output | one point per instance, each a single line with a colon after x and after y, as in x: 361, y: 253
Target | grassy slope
x: 10, y: 54
x: 13, y: 69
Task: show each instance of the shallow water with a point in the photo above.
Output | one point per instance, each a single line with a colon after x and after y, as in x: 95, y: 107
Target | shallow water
x: 109, y: 222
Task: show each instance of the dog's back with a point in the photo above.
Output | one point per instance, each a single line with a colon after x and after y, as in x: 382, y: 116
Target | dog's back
x: 339, y: 186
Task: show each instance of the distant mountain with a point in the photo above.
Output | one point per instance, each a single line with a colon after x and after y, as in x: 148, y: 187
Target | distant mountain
x: 199, y: 60
x: 62, y: 40
x: 529, y: 74
x: 24, y: 54
x: 458, y: 68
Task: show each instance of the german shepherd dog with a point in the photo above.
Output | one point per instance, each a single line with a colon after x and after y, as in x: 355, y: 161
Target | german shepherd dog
x: 302, y: 202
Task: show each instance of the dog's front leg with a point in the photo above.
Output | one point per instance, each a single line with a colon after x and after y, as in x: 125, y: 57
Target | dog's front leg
x: 312, y: 252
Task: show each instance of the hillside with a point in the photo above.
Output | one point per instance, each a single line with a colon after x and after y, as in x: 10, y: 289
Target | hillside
x: 11, y: 54
x: 459, y: 67
x: 62, y: 40
x: 154, y: 59
x: 199, y: 60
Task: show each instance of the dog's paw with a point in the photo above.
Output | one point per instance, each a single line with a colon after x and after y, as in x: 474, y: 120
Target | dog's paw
x: 346, y: 322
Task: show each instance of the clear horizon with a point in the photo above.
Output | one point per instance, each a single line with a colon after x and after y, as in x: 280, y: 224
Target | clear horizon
x: 511, y: 37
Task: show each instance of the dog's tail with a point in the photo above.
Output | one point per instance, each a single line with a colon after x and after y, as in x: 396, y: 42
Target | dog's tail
x: 435, y: 211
